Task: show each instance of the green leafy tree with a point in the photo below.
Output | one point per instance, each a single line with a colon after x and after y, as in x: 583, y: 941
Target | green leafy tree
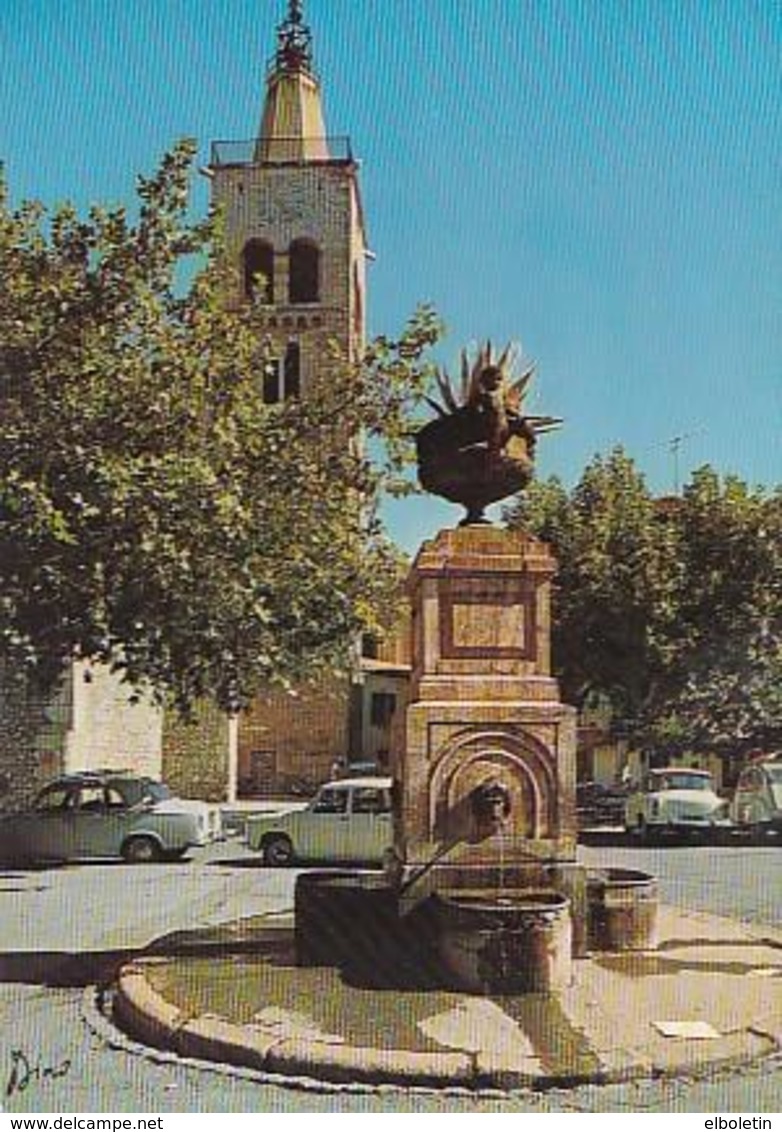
x: 612, y: 587
x: 155, y: 514
x: 724, y: 687
x: 670, y: 608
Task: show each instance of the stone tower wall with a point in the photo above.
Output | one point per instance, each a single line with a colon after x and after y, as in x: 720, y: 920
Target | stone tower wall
x: 319, y: 202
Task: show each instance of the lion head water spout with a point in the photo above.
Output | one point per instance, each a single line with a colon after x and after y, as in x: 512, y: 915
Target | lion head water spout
x: 484, y: 813
x: 491, y: 806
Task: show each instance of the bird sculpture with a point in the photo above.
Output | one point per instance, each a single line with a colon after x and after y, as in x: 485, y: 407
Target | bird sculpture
x: 480, y: 448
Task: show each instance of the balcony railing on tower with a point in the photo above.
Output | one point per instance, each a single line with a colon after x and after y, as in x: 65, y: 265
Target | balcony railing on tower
x: 282, y: 150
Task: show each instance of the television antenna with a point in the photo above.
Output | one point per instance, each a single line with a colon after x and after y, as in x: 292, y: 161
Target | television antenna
x: 674, y: 446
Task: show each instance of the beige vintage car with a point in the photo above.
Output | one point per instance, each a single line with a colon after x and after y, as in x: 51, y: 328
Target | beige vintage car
x: 98, y: 814
x: 675, y: 799
x: 347, y: 820
x: 757, y: 803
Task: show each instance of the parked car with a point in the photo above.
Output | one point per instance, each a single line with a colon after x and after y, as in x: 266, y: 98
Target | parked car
x: 675, y: 799
x: 757, y: 803
x: 366, y: 769
x: 107, y: 814
x: 349, y: 819
x: 600, y: 805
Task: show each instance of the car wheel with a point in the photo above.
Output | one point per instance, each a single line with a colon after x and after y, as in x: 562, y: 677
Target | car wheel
x: 141, y: 850
x: 277, y: 850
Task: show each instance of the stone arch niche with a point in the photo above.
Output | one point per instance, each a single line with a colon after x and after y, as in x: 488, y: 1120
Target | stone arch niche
x: 517, y: 760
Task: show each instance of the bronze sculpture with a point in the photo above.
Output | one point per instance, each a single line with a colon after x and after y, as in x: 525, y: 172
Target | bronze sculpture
x: 481, y: 448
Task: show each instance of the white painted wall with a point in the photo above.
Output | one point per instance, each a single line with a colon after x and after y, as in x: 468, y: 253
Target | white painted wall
x: 107, y: 730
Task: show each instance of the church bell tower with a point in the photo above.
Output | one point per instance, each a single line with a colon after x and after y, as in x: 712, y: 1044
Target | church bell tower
x: 294, y: 220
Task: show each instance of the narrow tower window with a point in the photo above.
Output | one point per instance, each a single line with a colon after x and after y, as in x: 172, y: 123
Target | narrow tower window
x: 304, y: 272
x: 292, y: 371
x: 258, y: 270
x: 271, y: 381
x: 282, y: 376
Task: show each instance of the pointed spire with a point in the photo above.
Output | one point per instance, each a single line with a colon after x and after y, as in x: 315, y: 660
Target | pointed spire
x: 292, y: 126
x: 294, y: 41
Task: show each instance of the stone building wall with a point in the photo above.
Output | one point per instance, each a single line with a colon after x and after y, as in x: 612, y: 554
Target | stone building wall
x: 110, y: 727
x: 198, y: 754
x: 26, y: 760
x: 289, y: 741
x: 85, y: 724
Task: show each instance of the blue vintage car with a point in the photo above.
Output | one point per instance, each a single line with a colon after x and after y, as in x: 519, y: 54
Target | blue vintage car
x: 98, y: 814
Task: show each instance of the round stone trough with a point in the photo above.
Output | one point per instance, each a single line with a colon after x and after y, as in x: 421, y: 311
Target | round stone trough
x: 622, y: 910
x: 344, y: 918
x: 510, y: 942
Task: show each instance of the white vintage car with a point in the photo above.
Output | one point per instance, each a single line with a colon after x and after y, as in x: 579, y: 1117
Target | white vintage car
x: 107, y: 814
x: 675, y: 799
x: 757, y: 802
x: 347, y: 820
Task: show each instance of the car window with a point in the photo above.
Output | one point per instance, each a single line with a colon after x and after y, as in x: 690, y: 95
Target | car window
x: 676, y: 780
x: 370, y: 800
x: 331, y: 802
x: 135, y: 791
x: 115, y: 799
x: 55, y: 798
x: 91, y: 799
x: 156, y: 791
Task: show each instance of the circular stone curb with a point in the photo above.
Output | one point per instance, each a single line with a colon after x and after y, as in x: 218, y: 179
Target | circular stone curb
x: 144, y: 1013
x: 97, y: 1015
x: 361, y: 1063
x: 148, y: 1016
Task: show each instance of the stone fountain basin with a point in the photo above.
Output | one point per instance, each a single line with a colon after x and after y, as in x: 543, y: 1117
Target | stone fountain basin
x: 623, y: 910
x: 513, y: 941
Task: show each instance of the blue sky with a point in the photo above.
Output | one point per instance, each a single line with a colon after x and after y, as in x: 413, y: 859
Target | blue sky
x: 599, y: 180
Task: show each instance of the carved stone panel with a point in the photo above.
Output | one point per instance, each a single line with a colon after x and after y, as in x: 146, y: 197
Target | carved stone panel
x: 492, y: 618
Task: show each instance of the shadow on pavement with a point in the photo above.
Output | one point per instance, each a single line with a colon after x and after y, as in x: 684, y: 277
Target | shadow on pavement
x: 621, y: 838
x: 235, y: 863
x: 599, y: 837
x: 62, y: 968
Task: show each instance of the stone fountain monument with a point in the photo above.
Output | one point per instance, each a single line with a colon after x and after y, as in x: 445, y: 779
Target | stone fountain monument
x: 486, y: 782
x: 485, y: 823
x: 483, y: 866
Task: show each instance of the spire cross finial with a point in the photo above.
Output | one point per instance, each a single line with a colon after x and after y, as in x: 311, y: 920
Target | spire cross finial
x: 294, y: 40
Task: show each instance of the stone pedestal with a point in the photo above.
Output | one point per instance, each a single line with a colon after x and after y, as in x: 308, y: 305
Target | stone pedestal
x: 484, y: 708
